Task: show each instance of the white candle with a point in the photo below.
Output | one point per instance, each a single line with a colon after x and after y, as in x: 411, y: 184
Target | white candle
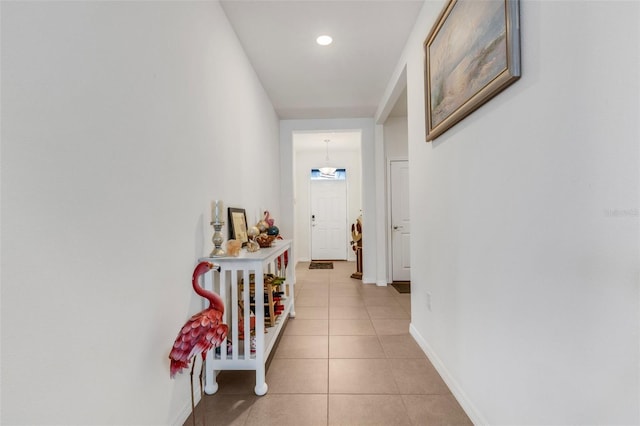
x: 216, y: 210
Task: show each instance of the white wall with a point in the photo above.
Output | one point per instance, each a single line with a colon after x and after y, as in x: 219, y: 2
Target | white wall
x: 528, y: 237
x: 121, y: 121
x: 395, y: 138
x: 304, y: 162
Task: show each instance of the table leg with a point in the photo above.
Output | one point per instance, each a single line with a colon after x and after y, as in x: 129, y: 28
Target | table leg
x: 211, y: 385
x: 261, y: 386
x: 290, y: 280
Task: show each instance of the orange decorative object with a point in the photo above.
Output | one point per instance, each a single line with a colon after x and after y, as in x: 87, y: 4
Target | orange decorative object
x: 233, y: 247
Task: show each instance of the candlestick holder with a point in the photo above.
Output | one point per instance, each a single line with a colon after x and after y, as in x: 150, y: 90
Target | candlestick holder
x: 217, y: 240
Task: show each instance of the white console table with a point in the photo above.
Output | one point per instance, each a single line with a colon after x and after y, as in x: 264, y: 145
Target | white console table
x: 225, y: 283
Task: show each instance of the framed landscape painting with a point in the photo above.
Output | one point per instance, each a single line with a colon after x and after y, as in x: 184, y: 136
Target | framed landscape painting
x: 471, y: 54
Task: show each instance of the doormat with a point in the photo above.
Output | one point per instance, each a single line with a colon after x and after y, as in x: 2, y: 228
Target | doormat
x: 321, y: 265
x: 402, y: 286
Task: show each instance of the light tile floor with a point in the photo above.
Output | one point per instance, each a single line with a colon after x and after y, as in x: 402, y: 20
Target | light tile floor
x: 346, y: 359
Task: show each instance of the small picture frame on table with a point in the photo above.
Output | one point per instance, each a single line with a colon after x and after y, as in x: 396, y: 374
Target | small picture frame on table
x: 238, y: 225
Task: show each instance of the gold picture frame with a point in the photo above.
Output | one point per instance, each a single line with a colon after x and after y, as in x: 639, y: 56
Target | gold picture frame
x: 238, y: 225
x: 471, y: 54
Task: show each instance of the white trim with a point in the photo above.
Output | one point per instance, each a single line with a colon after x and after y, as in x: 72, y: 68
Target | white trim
x: 459, y: 394
x: 391, y: 95
x: 367, y: 280
x: 398, y: 83
x: 381, y: 253
x: 185, y: 412
x: 389, y: 223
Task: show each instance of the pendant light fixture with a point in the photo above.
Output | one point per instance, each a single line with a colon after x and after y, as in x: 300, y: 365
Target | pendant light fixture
x: 327, y: 170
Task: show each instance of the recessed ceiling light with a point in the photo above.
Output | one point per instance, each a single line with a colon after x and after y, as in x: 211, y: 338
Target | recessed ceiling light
x: 324, y: 40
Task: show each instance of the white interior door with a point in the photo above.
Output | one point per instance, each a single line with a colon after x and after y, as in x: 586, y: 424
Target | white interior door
x: 400, y: 221
x: 328, y: 219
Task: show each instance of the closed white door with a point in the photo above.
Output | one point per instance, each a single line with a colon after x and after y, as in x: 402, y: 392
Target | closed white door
x: 328, y: 219
x: 400, y: 221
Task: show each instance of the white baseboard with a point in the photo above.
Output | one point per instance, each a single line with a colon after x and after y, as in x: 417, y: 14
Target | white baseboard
x: 381, y: 283
x: 466, y: 404
x: 184, y: 414
x: 367, y: 280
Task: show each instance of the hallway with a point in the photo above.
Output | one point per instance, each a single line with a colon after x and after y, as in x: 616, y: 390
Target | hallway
x: 347, y: 358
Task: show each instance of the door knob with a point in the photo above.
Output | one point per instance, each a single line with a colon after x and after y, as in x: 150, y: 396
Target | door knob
x: 396, y: 227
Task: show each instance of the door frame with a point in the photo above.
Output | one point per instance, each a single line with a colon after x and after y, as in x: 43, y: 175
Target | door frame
x: 388, y: 221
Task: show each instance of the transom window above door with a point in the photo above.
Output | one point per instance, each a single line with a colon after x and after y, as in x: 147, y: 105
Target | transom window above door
x: 339, y: 174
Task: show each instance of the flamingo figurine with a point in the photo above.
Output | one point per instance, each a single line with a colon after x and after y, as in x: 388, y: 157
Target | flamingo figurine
x: 267, y: 218
x: 202, y: 332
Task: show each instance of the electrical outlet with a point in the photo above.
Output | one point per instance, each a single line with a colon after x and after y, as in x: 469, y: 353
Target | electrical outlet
x: 429, y: 301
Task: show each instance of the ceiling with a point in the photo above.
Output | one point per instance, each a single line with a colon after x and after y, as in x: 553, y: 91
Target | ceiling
x: 339, y: 141
x: 346, y: 79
